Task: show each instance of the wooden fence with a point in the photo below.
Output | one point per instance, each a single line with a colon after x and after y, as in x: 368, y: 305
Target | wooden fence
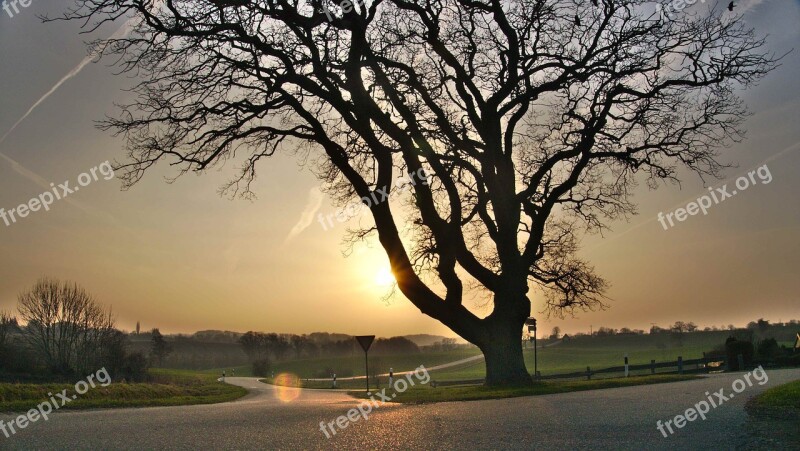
x: 679, y: 366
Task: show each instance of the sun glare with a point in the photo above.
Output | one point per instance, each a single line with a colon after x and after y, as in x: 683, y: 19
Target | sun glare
x: 384, y: 277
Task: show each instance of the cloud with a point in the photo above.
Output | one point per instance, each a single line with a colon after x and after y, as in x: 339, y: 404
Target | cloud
x: 748, y: 5
x: 315, y: 198
x: 778, y: 155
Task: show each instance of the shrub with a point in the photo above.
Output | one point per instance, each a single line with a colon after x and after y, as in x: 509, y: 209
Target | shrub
x: 261, y: 368
x: 734, y: 348
x: 135, y: 367
x: 768, y: 348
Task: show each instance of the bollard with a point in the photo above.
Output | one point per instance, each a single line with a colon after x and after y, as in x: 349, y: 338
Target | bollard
x: 626, y: 365
x: 680, y: 365
x: 588, y: 373
x: 652, y: 367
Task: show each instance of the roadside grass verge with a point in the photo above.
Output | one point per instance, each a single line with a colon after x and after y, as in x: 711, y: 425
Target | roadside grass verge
x: 786, y: 396
x: 166, y: 388
x: 426, y: 394
x: 772, y: 417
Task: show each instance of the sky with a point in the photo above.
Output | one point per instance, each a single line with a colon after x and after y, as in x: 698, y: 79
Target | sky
x: 180, y: 257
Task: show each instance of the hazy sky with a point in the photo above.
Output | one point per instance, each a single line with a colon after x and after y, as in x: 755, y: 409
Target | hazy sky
x: 179, y: 257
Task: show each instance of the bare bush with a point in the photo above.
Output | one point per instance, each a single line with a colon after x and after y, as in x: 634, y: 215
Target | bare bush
x: 65, y: 325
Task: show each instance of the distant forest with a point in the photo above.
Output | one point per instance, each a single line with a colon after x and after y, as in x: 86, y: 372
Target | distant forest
x: 220, y: 349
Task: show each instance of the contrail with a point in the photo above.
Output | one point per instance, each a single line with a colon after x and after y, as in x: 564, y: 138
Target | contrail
x: 121, y: 32
x: 39, y: 180
x: 22, y: 170
x: 315, y: 198
x: 25, y: 172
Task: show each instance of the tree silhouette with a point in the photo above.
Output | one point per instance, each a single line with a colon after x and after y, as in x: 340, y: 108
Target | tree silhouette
x: 159, y: 348
x: 533, y: 118
x: 65, y: 325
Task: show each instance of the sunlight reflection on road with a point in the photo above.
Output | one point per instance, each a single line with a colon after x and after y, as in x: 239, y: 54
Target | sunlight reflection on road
x: 287, y: 387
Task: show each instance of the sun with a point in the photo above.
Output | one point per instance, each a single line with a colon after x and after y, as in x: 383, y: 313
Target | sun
x: 384, y: 277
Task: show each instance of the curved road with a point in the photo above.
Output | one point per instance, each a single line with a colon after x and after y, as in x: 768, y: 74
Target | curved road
x: 623, y: 418
x: 443, y: 366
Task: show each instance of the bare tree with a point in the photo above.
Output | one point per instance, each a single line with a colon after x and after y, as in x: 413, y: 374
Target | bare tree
x: 8, y: 322
x: 533, y: 125
x: 65, y: 325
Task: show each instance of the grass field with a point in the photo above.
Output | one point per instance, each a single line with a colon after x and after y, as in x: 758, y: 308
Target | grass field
x: 425, y: 393
x: 565, y: 357
x: 601, y: 352
x: 168, y: 388
x: 354, y: 365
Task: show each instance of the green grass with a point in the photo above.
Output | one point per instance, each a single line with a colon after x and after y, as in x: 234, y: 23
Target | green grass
x: 426, y: 394
x: 237, y: 371
x: 782, y: 396
x: 600, y: 352
x: 354, y: 365
x: 569, y: 356
x: 167, y: 388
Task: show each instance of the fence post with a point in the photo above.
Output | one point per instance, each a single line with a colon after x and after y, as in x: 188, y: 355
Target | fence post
x: 626, y: 365
x: 588, y: 373
x: 652, y: 367
x: 680, y: 365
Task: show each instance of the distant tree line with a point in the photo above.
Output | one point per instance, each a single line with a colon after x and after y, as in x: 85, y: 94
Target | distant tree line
x: 785, y: 330
x: 262, y: 349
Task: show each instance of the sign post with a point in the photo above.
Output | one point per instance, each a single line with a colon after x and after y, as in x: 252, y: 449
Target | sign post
x: 626, y: 365
x: 531, y: 323
x: 366, y: 341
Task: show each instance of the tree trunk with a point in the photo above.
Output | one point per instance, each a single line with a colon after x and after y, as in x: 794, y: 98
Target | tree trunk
x: 502, y: 351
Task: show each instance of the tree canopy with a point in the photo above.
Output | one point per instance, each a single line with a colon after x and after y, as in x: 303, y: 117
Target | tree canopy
x: 534, y: 118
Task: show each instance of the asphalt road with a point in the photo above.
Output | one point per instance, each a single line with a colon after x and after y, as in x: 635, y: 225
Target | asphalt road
x: 623, y: 418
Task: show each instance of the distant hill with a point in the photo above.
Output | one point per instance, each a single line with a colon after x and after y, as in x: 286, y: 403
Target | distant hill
x: 427, y: 339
